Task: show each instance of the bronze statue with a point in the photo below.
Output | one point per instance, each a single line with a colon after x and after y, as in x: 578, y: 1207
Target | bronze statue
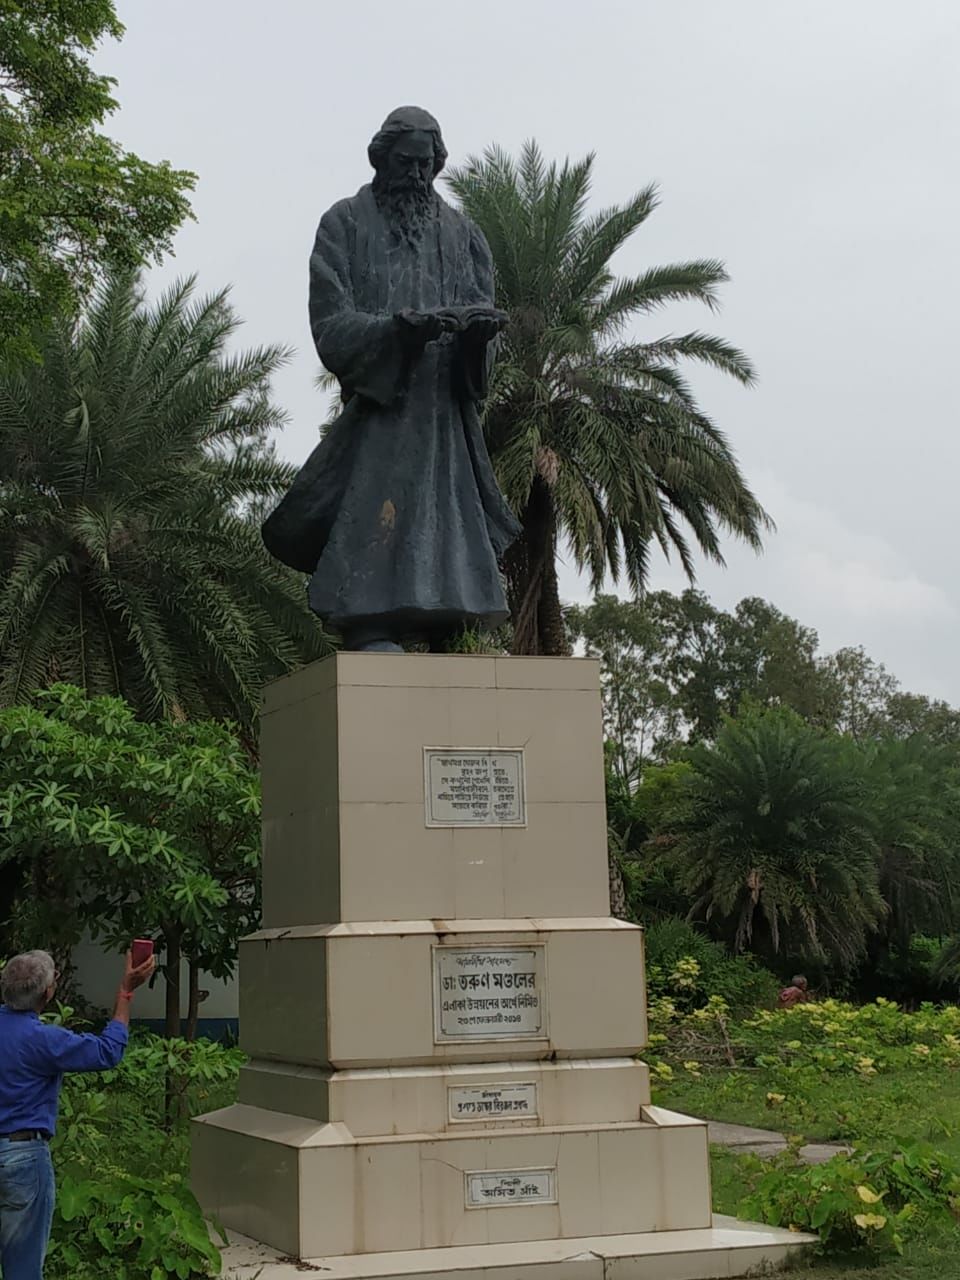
x: 396, y: 514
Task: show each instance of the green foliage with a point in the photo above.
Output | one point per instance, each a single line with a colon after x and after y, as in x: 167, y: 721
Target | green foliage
x: 688, y: 968
x: 885, y: 1081
x: 871, y: 1199
x: 147, y: 1228
x: 596, y: 439
x: 130, y: 454
x: 124, y: 1207
x: 776, y: 846
x: 126, y: 828
x: 639, y: 712
x: 71, y: 200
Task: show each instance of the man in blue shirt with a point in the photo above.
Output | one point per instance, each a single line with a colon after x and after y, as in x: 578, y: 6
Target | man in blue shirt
x: 33, y: 1059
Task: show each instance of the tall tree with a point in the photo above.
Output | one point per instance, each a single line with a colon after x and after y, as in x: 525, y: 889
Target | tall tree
x: 128, y: 451
x: 597, y: 439
x: 71, y: 200
x: 640, y: 711
x: 860, y: 690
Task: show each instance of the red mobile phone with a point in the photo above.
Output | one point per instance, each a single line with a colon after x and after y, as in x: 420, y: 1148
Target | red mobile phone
x: 142, y: 950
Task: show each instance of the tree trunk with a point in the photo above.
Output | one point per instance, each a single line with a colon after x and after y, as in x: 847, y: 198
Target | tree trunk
x: 193, y: 1001
x: 171, y: 973
x: 618, y: 894
x: 532, y: 578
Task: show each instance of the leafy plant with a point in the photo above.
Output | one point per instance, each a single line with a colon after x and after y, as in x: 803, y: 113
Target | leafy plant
x: 872, y: 1199
x: 124, y: 828
x: 688, y: 967
x: 124, y: 1208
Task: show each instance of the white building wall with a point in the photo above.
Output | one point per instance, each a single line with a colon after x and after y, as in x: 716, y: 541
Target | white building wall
x: 98, y: 975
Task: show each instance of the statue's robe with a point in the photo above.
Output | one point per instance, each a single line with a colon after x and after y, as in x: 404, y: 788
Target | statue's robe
x: 396, y: 513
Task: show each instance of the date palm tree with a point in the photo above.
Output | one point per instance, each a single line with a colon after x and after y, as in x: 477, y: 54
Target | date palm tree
x: 776, y: 844
x: 130, y: 453
x: 596, y: 437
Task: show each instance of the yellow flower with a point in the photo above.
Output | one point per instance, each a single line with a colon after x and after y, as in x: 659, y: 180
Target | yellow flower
x: 775, y: 1099
x: 868, y: 1196
x: 870, y: 1221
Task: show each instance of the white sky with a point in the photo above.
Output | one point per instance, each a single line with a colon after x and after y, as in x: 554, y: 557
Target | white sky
x: 813, y: 147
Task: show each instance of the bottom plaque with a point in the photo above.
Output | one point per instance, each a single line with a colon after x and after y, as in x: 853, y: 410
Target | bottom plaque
x: 497, y: 1190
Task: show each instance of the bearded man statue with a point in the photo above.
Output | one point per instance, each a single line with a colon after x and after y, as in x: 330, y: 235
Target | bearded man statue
x: 396, y: 515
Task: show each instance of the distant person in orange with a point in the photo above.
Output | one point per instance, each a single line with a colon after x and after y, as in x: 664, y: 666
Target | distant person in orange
x: 796, y: 993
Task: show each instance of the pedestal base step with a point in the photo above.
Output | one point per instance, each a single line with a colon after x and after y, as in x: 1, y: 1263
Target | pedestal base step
x: 728, y: 1248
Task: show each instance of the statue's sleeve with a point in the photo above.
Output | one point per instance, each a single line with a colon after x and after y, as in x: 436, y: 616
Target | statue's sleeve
x: 478, y: 358
x: 361, y: 349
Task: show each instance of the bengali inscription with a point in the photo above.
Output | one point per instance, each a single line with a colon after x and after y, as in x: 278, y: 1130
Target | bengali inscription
x: 510, y: 1186
x: 478, y: 1102
x: 467, y: 787
x: 488, y: 993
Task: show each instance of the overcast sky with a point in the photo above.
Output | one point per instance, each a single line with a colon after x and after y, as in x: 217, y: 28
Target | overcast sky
x: 813, y: 147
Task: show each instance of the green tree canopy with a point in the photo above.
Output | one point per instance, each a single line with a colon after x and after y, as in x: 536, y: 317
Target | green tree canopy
x: 640, y: 713
x: 71, y: 200
x: 597, y: 438
x: 124, y: 829
x: 130, y: 451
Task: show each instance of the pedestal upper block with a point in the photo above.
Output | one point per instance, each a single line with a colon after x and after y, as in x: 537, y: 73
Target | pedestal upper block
x: 348, y: 832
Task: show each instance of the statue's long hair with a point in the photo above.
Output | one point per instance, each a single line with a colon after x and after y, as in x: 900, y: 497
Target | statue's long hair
x: 406, y: 120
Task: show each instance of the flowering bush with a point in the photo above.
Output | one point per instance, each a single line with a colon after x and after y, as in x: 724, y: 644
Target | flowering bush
x: 869, y: 1199
x: 885, y: 1081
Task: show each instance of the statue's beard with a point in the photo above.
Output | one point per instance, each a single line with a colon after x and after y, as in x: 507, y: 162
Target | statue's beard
x: 408, y: 205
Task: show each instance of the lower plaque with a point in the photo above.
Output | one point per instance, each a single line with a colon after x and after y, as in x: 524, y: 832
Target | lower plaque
x: 475, y: 1102
x: 506, y: 1187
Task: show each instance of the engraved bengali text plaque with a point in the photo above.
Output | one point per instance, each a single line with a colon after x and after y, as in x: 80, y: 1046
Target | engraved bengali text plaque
x: 474, y: 787
x: 475, y: 1103
x: 497, y: 1190
x: 489, y: 993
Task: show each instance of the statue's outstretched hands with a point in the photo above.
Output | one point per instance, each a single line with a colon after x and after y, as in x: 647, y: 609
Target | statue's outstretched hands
x: 478, y: 324
x: 420, y: 327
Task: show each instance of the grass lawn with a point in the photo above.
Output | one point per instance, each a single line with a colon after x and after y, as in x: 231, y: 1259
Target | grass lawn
x: 901, y: 1104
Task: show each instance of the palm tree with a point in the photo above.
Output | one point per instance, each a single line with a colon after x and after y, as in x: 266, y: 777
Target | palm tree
x: 597, y: 439
x: 776, y: 845
x: 130, y: 453
x: 915, y: 789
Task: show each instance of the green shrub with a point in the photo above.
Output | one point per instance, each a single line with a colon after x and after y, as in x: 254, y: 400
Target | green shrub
x: 114, y: 1224
x: 124, y: 1209
x: 871, y: 1199
x: 688, y: 968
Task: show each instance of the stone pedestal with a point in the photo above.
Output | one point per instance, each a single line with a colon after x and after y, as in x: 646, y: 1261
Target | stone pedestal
x: 440, y: 1014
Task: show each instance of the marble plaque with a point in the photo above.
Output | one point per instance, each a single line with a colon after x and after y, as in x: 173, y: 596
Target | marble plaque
x: 510, y: 1186
x: 474, y: 787
x: 478, y: 1102
x: 489, y: 993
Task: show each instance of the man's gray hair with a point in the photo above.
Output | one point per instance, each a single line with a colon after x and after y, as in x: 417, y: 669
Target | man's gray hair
x: 26, y: 978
